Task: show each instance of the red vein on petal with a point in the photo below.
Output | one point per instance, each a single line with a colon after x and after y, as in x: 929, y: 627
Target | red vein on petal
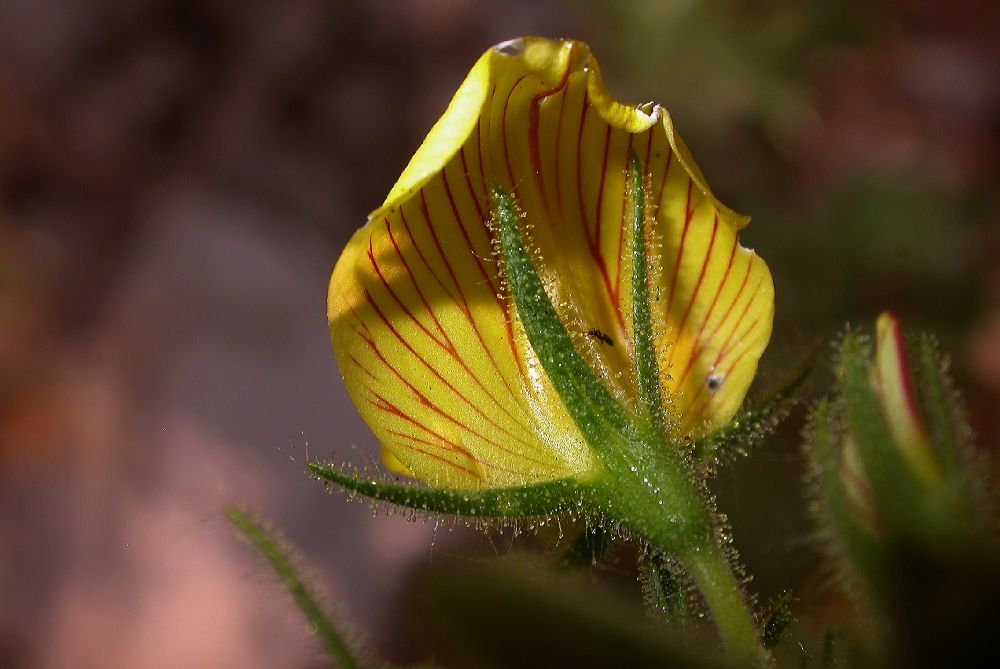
x: 388, y: 406
x: 701, y: 277
x: 479, y: 151
x: 461, y: 307
x: 418, y: 440
x: 475, y: 200
x: 597, y: 248
x: 429, y: 454
x: 451, y: 348
x: 724, y: 349
x: 365, y: 370
x: 700, y: 345
x: 666, y: 173
x: 423, y: 398
x: 754, y: 294
x: 413, y: 280
x: 688, y: 214
x: 736, y: 341
x: 382, y: 404
x: 557, y: 166
x: 501, y: 304
x: 406, y: 310
x: 739, y: 358
x: 447, y: 345
x: 423, y: 258
x: 464, y: 304
x: 503, y: 132
x: 534, y: 139
x: 732, y: 304
x: 600, y: 188
x: 579, y: 172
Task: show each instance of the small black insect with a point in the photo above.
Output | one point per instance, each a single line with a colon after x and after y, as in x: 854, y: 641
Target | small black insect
x: 597, y: 334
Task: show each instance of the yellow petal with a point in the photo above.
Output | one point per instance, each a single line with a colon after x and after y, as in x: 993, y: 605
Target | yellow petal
x: 432, y: 352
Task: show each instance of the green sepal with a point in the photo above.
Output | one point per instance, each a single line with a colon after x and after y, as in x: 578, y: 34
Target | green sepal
x: 750, y: 427
x: 941, y: 408
x: 540, y: 499
x: 897, y: 492
x: 587, y: 401
x: 586, y: 549
x: 664, y: 588
x: 646, y: 366
x: 824, y: 442
x: 777, y: 618
x: 270, y: 546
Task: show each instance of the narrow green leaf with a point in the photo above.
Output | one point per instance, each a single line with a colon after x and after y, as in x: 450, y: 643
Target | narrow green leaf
x: 540, y: 499
x: 646, y: 365
x: 588, y: 402
x: 270, y: 547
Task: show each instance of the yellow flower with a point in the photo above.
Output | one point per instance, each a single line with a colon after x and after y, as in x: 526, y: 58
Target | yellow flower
x: 432, y: 347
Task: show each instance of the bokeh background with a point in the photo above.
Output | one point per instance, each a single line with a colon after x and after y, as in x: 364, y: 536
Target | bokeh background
x: 177, y: 179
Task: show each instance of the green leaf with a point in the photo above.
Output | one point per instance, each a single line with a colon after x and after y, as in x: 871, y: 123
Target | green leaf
x: 541, y: 499
x: 270, y: 547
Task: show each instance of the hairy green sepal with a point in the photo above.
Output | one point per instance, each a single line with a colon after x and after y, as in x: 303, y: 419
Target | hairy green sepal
x: 540, y: 499
x: 588, y: 402
x: 270, y: 547
x: 646, y: 366
x: 664, y: 588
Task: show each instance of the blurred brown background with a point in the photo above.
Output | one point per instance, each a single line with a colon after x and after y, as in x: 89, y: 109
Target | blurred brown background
x: 177, y: 179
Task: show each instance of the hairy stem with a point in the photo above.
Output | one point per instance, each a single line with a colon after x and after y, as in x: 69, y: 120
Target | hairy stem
x: 711, y: 573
